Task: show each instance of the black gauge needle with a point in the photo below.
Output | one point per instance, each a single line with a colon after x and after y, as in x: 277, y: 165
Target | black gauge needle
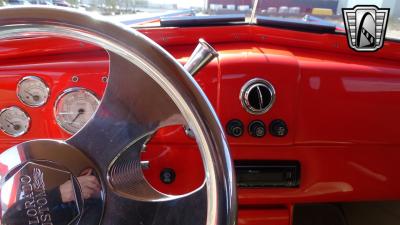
x: 34, y: 97
x: 15, y: 126
x: 80, y: 112
x: 9, y: 122
x: 28, y: 93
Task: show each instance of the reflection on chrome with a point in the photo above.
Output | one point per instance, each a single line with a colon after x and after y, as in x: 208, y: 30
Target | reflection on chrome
x: 51, y: 191
x: 201, y: 56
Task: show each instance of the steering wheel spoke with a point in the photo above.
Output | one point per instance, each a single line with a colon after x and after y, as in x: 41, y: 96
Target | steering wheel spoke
x: 132, y: 109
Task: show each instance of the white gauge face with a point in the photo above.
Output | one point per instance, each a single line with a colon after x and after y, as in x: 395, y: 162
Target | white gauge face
x: 74, y: 108
x: 14, y: 121
x: 32, y: 91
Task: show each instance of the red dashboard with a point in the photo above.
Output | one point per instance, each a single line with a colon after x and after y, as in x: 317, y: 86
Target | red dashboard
x: 340, y: 107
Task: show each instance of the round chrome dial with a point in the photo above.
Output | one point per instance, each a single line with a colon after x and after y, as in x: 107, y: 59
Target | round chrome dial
x: 257, y: 96
x: 32, y: 91
x: 74, y: 108
x: 14, y: 121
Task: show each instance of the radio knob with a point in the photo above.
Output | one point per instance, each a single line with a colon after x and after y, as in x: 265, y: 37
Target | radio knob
x: 235, y: 128
x: 257, y: 129
x: 278, y: 128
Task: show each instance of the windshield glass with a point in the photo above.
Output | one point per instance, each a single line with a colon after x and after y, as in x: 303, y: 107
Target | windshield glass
x: 328, y: 12
x: 149, y: 12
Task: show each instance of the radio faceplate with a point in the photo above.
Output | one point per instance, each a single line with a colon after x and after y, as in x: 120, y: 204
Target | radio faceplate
x: 263, y: 174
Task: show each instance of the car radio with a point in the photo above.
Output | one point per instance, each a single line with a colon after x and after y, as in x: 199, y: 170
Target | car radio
x: 259, y: 174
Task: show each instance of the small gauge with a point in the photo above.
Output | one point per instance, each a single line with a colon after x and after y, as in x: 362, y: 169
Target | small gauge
x: 32, y: 91
x: 74, y: 108
x: 14, y: 121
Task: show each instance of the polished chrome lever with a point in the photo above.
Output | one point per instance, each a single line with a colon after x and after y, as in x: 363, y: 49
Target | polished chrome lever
x: 201, y: 56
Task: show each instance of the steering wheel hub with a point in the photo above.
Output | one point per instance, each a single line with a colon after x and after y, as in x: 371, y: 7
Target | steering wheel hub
x: 42, y: 185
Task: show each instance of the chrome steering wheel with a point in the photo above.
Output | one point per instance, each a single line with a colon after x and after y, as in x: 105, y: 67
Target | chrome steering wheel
x: 147, y: 89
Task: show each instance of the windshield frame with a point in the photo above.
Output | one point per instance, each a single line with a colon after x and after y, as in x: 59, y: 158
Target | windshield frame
x: 253, y: 12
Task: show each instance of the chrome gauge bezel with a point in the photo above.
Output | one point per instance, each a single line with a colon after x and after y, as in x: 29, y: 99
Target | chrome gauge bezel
x: 244, y: 95
x: 62, y: 95
x: 27, y: 118
x: 19, y: 89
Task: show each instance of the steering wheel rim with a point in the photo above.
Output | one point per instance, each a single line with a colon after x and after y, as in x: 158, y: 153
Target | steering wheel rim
x: 179, y: 99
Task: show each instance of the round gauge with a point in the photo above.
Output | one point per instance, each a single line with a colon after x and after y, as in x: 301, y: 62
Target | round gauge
x: 32, y: 91
x: 74, y: 108
x: 14, y: 121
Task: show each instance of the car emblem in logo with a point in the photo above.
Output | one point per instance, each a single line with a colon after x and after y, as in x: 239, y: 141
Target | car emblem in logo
x: 366, y: 27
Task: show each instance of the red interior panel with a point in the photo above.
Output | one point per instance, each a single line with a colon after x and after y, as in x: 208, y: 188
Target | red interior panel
x: 341, y: 108
x: 263, y: 217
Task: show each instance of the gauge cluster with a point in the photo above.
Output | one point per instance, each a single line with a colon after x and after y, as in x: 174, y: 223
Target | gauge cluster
x: 72, y: 107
